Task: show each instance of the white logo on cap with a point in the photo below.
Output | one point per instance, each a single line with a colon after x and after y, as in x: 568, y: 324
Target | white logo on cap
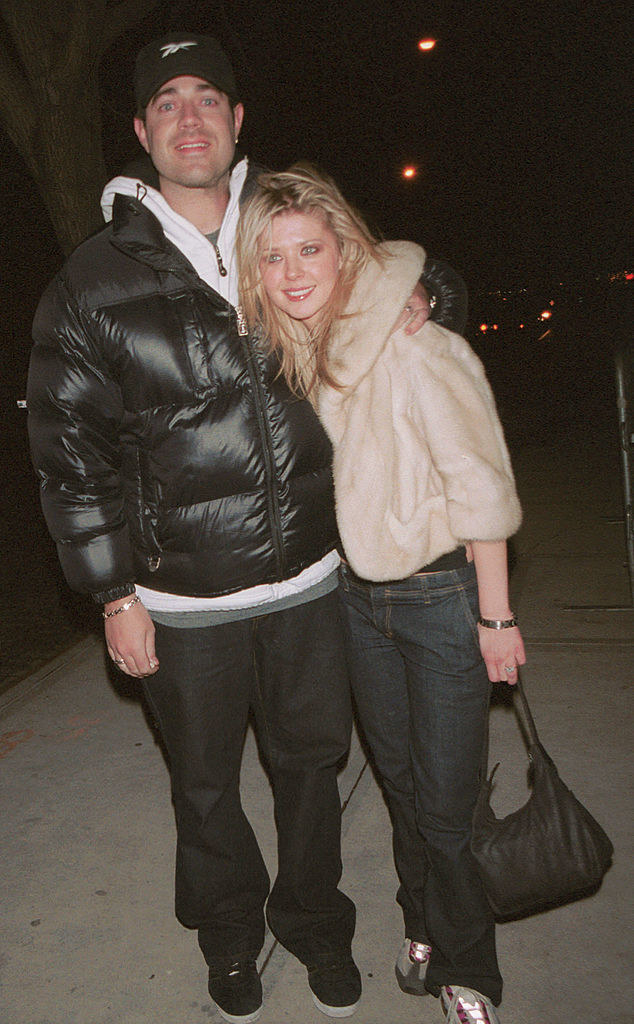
x: 173, y: 48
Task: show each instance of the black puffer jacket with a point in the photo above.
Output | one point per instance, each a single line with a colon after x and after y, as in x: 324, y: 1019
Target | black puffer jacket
x: 169, y: 450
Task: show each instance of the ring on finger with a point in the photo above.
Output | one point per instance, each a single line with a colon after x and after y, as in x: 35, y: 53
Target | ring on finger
x: 509, y: 669
x: 119, y: 661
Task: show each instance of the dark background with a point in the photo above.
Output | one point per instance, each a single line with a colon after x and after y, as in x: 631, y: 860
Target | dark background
x: 516, y: 123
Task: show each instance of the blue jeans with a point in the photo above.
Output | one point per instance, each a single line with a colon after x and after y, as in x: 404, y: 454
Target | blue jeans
x: 289, y: 667
x: 422, y: 693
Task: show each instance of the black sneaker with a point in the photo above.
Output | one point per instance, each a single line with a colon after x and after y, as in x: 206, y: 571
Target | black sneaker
x: 336, y: 987
x: 236, y: 990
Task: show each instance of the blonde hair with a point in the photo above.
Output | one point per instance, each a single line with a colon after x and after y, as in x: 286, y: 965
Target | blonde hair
x: 303, y: 353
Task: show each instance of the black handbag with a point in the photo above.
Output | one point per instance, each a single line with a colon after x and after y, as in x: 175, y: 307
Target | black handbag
x: 546, y: 853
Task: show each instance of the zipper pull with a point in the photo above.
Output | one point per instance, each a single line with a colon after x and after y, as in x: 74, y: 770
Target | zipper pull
x: 222, y: 270
x: 242, y: 323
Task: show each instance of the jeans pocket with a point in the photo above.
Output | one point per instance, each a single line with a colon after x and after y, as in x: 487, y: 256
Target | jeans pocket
x: 470, y: 605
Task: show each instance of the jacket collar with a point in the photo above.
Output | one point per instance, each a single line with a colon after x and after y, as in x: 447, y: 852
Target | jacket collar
x: 146, y: 227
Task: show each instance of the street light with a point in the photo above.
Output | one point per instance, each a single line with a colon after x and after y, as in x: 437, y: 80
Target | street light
x: 426, y: 44
x: 409, y: 172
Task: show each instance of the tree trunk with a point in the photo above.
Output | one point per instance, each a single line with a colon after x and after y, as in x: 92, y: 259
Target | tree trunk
x: 68, y: 165
x: 49, y: 99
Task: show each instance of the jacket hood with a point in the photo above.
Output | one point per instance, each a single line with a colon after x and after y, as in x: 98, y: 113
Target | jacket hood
x: 377, y: 300
x: 182, y: 233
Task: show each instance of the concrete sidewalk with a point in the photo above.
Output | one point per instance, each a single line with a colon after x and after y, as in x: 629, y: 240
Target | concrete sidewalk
x: 88, y: 933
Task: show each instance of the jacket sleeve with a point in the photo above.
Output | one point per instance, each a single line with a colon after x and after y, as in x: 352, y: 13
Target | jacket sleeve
x: 75, y: 413
x: 459, y: 421
x: 449, y: 292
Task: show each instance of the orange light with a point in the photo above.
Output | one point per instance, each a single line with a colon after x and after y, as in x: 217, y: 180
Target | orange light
x: 629, y: 276
x: 426, y: 44
x: 546, y: 315
x: 409, y: 172
x: 495, y: 327
x: 484, y: 328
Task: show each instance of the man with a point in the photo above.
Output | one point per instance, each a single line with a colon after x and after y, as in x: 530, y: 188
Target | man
x: 190, y: 492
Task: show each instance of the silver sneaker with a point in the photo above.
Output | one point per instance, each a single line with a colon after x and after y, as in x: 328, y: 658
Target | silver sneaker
x: 411, y: 967
x: 462, y: 1005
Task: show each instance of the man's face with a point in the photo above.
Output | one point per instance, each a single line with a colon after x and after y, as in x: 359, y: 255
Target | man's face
x: 189, y: 132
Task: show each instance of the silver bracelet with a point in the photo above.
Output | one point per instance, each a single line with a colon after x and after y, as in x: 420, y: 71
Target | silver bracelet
x: 122, y: 607
x: 498, y: 623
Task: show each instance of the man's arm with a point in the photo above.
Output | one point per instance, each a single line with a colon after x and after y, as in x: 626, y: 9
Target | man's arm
x: 448, y: 294
x: 442, y: 294
x: 75, y: 413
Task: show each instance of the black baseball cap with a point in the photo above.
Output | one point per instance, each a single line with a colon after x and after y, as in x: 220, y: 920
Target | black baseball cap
x: 181, y: 53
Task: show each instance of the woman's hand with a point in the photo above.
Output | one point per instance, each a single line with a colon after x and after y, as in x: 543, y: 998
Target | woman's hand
x: 502, y: 649
x: 503, y: 653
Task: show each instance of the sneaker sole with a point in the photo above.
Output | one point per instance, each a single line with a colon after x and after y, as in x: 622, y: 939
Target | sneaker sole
x: 335, y: 1011
x: 246, y: 1018
x: 409, y: 988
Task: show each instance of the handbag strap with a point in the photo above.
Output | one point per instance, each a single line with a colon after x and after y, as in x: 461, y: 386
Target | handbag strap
x: 530, y: 721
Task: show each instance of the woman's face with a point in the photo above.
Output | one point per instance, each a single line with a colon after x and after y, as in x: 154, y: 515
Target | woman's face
x: 300, y: 268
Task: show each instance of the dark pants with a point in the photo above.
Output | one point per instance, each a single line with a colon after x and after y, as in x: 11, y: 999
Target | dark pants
x: 289, y: 666
x: 422, y: 693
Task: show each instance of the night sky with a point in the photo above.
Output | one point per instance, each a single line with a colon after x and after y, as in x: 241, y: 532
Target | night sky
x: 516, y: 121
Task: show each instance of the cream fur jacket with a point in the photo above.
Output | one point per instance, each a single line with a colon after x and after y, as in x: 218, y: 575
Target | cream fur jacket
x: 420, y: 461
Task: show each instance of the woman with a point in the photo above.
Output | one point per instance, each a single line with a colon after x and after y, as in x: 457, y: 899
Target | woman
x: 425, y: 501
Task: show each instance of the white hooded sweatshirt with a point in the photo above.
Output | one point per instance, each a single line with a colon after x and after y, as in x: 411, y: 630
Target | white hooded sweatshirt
x: 182, y: 233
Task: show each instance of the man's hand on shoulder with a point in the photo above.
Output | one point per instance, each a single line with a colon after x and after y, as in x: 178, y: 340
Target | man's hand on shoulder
x: 416, y: 313
x: 130, y: 638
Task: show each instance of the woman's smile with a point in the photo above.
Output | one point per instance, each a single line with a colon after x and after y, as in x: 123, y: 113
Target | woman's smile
x: 300, y: 264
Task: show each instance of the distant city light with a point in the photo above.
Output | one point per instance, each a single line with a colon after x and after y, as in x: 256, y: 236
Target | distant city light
x: 629, y: 276
x: 426, y: 44
x: 410, y: 171
x: 546, y: 315
x: 484, y: 328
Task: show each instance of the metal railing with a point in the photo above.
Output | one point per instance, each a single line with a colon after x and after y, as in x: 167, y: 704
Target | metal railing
x: 624, y: 368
